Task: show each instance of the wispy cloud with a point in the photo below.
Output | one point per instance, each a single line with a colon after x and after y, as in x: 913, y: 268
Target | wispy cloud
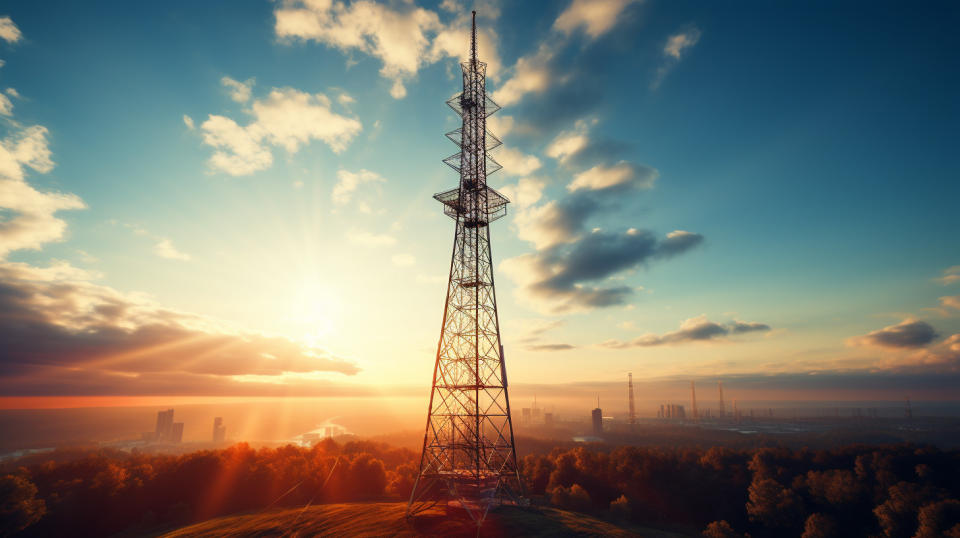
x: 287, y: 118
x: 239, y: 91
x: 368, y: 239
x: 569, y: 143
x: 674, y: 50
x: 550, y: 347
x: 535, y: 73
x: 530, y: 74
x: 596, y: 17
x: 9, y: 31
x: 525, y: 192
x: 162, y: 246
x: 165, y: 249
x: 348, y: 182
x: 31, y: 217
x: 602, y: 177
x: 402, y: 36
x: 950, y: 275
x: 698, y: 329
x: 515, y: 162
x: 950, y: 301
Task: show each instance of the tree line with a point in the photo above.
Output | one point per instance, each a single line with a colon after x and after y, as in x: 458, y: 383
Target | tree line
x: 894, y: 491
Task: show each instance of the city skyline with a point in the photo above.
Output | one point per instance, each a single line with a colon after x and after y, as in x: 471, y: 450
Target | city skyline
x: 193, y: 201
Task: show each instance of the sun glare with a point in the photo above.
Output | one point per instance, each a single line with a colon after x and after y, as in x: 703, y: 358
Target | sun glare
x: 312, y: 313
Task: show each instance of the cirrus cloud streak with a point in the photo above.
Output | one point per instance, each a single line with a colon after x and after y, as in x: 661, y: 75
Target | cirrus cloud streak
x: 698, y: 329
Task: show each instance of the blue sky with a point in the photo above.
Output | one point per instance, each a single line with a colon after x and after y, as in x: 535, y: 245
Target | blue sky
x: 256, y: 177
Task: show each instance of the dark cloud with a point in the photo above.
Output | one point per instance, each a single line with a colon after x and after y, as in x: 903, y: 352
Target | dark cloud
x: 571, y: 268
x: 563, y: 274
x: 738, y: 327
x: 564, y: 220
x: 569, y: 260
x: 598, y: 256
x: 906, y: 334
x: 678, y: 242
x: 61, y: 323
x: 698, y: 329
x: 550, y: 347
x: 572, y: 213
x: 582, y: 73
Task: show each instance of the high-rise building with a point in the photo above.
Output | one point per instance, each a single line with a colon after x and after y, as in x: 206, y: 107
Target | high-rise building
x: 548, y: 419
x: 164, y: 426
x: 176, y: 433
x: 219, y: 430
x: 525, y: 416
x: 597, y: 417
x: 693, y: 399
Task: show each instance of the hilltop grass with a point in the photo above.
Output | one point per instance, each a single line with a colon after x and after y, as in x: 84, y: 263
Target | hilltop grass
x: 387, y: 519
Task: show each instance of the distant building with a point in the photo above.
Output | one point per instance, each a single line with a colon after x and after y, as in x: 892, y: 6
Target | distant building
x: 525, y: 415
x: 176, y: 433
x: 672, y: 411
x: 219, y: 430
x: 164, y: 426
x: 597, y: 416
x: 548, y: 419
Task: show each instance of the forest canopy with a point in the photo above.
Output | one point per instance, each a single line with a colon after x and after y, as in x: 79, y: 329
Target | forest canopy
x: 896, y: 491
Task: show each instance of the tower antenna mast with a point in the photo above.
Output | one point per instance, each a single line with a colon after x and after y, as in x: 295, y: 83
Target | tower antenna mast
x: 469, y: 460
x: 473, y: 40
x: 723, y: 411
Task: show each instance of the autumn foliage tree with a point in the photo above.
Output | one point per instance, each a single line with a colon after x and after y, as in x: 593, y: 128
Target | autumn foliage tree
x: 893, y: 491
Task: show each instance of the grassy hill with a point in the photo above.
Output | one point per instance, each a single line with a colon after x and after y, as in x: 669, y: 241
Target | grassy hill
x: 382, y: 519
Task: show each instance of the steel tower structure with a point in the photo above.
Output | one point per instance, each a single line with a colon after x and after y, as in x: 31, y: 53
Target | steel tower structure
x: 723, y: 411
x: 469, y: 459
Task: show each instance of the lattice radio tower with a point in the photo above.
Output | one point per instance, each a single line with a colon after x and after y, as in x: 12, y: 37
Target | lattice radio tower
x: 468, y: 457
